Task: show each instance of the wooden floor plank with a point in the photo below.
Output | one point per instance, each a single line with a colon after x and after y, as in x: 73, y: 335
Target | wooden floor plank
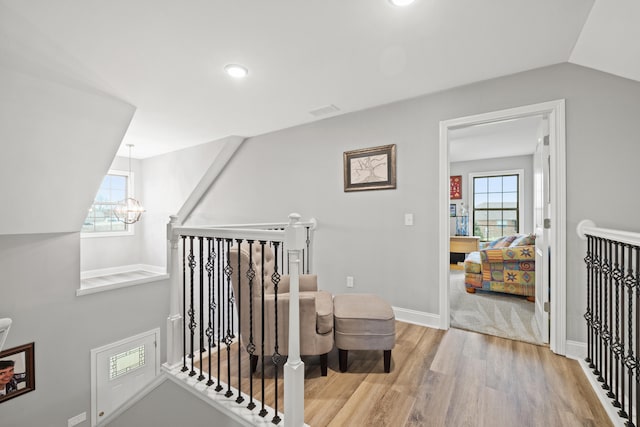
x: 439, y: 378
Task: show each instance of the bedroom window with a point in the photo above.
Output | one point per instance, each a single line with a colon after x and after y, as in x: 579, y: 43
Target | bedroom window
x: 101, y: 220
x: 496, y: 204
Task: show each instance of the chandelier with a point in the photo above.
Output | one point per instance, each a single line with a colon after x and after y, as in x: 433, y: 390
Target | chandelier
x: 129, y: 210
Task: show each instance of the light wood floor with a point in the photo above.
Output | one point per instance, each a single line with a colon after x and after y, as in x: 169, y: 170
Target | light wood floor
x: 443, y: 378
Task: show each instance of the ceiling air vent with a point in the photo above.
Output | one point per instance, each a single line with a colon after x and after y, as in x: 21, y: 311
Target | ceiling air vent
x: 323, y: 111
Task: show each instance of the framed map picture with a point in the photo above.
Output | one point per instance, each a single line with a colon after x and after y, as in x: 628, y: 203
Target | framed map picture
x: 370, y: 168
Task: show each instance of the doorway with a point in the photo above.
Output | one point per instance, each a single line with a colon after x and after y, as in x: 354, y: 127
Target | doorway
x: 554, y: 110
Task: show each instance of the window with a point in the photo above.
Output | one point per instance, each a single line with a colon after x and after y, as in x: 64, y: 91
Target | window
x: 496, y: 204
x: 101, y: 220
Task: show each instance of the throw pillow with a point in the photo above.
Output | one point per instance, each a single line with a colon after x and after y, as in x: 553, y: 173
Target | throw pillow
x: 524, y: 240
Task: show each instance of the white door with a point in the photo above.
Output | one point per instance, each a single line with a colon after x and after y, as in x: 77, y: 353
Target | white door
x: 121, y: 370
x: 541, y: 213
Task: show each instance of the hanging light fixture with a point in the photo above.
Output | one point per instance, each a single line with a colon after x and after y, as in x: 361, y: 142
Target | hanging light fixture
x: 129, y: 210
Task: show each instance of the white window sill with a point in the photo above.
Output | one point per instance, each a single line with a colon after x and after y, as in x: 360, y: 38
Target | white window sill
x: 108, y: 279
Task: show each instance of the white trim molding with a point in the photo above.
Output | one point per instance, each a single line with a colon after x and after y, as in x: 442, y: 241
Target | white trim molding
x: 555, y: 110
x: 605, y: 401
x: 576, y: 350
x: 420, y: 318
x: 106, y: 279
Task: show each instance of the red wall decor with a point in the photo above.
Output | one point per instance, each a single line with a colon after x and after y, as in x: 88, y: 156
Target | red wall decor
x: 455, y: 183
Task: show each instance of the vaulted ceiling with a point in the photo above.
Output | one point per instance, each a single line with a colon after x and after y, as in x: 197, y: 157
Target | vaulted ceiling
x: 167, y: 57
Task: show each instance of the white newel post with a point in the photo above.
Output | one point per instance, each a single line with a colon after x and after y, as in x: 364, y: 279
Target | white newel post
x: 174, y: 321
x: 294, y: 368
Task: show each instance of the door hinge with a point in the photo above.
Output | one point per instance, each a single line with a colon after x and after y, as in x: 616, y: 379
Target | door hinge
x: 547, y: 223
x: 546, y: 140
x: 546, y: 307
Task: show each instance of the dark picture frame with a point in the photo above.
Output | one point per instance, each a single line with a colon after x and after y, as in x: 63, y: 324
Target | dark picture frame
x: 24, y: 371
x: 370, y: 168
x: 452, y: 209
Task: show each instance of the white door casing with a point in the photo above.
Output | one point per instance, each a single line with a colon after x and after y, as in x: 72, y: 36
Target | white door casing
x: 555, y: 111
x: 541, y: 212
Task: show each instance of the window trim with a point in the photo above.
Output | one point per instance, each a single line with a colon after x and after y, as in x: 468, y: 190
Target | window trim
x: 519, y: 172
x: 130, y: 193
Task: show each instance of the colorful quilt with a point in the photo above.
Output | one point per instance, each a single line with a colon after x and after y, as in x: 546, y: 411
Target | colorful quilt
x: 506, y: 269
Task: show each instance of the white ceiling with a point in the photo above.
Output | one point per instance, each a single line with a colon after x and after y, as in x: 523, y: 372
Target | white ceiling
x: 506, y: 138
x: 166, y: 57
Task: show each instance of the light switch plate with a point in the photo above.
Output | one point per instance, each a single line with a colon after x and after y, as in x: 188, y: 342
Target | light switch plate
x: 408, y: 219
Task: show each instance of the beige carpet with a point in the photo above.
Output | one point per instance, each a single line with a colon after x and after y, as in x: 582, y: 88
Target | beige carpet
x: 502, y: 315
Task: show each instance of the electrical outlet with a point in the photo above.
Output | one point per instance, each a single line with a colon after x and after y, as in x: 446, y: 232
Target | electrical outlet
x: 73, y: 421
x: 349, y: 281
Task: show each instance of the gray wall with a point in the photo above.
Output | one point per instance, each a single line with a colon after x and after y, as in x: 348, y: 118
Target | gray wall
x: 362, y: 234
x: 39, y: 277
x: 58, y: 132
x: 171, y: 405
x: 492, y: 165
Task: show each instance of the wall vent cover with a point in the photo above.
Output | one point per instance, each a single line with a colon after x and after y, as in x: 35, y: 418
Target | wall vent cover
x: 323, y: 111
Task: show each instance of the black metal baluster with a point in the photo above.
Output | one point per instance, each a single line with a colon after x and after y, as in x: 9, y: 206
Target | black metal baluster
x: 636, y: 281
x: 239, y: 399
x: 625, y: 343
x: 591, y: 301
x: 618, y: 347
x: 201, y: 298
x: 307, y: 252
x: 251, y: 346
x: 192, y: 321
x: 598, y: 317
x: 263, y: 411
x: 184, y: 304
x: 227, y: 338
x: 220, y: 281
x: 604, y: 330
x: 212, y: 305
x: 277, y: 358
x: 610, y: 330
x: 630, y: 360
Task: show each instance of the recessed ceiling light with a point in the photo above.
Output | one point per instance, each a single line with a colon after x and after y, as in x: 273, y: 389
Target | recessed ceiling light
x: 401, y: 3
x: 236, y: 71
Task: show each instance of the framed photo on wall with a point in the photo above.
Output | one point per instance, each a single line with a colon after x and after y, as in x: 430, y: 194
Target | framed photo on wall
x: 370, y: 168
x: 455, y: 185
x: 452, y: 209
x: 17, y: 372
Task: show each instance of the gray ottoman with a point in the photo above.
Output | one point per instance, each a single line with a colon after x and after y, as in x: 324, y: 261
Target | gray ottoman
x: 363, y: 322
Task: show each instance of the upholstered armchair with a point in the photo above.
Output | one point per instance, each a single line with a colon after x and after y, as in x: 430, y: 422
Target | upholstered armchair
x: 316, y: 307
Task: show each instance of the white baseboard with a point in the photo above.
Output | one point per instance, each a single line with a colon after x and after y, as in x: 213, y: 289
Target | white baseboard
x: 421, y: 318
x: 611, y: 411
x: 576, y: 350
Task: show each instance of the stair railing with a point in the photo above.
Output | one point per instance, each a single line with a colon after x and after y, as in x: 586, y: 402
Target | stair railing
x: 203, y: 347
x: 613, y: 315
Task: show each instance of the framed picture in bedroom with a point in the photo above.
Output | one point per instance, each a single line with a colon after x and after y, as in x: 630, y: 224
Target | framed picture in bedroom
x: 17, y: 372
x: 370, y: 168
x: 455, y: 185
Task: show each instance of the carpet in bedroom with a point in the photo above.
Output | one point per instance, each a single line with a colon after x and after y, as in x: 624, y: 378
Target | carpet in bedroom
x: 502, y: 315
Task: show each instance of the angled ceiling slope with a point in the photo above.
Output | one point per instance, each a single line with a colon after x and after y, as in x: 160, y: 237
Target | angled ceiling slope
x: 59, y: 134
